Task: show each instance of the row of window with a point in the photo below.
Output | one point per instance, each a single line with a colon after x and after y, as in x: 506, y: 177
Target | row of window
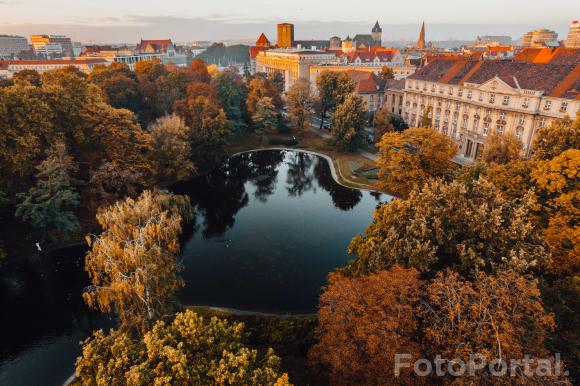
x: 506, y: 99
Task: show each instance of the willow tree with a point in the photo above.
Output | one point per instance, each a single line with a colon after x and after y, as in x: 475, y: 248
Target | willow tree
x: 132, y: 264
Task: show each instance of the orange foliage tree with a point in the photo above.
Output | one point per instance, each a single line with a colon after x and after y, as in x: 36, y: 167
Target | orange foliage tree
x: 363, y: 323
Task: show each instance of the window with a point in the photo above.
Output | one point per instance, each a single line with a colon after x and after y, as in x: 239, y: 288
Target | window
x: 460, y: 92
x: 448, y: 104
x: 525, y: 103
x: 564, y: 107
x: 485, y: 128
x: 492, y: 98
x: 499, y: 129
x: 476, y: 124
x: 488, y: 112
x: 522, y: 120
x: 542, y: 122
x: 519, y: 133
x: 469, y: 94
x: 464, y: 124
x: 480, y: 96
x: 547, y: 105
x: 506, y: 100
x: 450, y: 91
x: 502, y: 116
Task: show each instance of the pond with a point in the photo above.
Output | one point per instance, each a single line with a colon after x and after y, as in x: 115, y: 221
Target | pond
x: 270, y: 225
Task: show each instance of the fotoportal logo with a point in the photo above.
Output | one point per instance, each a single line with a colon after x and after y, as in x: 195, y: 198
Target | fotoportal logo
x: 478, y: 364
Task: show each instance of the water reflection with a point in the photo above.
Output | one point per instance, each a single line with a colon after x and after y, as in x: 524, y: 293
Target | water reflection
x: 272, y: 225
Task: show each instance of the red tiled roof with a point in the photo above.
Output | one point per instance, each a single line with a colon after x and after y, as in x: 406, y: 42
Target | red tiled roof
x: 255, y: 50
x: 366, y: 81
x: 549, y: 55
x: 559, y: 80
x: 263, y: 41
x: 158, y: 44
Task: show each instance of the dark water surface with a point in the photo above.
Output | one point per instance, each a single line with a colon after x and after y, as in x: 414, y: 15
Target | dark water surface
x: 270, y: 225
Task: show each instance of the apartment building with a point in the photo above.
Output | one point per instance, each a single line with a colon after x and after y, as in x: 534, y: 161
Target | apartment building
x: 12, y: 45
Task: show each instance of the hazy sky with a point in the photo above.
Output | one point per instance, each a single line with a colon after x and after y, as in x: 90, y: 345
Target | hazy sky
x: 128, y: 20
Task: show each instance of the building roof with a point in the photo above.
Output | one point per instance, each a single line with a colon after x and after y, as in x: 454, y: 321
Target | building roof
x: 377, y: 27
x: 365, y: 39
x: 263, y: 41
x: 158, y: 44
x: 69, y: 62
x: 366, y: 56
x: 546, y: 55
x: 557, y: 80
x: 394, y: 84
x: 366, y: 81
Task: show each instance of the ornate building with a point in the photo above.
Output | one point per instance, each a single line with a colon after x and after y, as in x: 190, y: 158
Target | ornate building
x: 467, y: 100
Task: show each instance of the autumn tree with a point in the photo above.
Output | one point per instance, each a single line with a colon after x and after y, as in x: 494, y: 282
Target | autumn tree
x: 502, y: 148
x: 173, y: 87
x: 30, y: 76
x: 561, y: 135
x: 119, y: 84
x: 27, y: 126
x: 232, y: 93
x: 111, y: 182
x: 495, y: 317
x: 386, y: 73
x: 190, y: 350
x: 132, y: 264
x: 333, y: 87
x: 210, y: 130
x: 348, y: 123
x: 382, y: 123
x: 148, y: 75
x: 468, y: 228
x: 409, y: 158
x: 199, y: 71
x: 50, y: 204
x: 363, y: 323
x: 265, y: 116
x: 300, y: 102
x: 259, y: 87
x: 557, y: 180
x: 171, y: 149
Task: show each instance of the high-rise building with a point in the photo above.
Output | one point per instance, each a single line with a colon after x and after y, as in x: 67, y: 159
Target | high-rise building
x: 421, y: 42
x: 540, y: 38
x: 51, y: 45
x: 285, y: 35
x: 573, y: 40
x: 12, y: 45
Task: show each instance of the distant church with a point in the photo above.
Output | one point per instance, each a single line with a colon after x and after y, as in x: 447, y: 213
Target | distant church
x: 372, y: 40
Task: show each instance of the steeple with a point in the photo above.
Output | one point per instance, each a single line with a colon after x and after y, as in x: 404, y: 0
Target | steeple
x: 377, y: 33
x: 421, y: 42
x: 377, y: 27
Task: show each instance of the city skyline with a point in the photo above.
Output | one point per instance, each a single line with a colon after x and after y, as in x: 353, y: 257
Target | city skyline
x: 225, y: 20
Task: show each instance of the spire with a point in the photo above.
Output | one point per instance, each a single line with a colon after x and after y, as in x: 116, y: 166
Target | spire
x: 421, y: 41
x: 377, y: 27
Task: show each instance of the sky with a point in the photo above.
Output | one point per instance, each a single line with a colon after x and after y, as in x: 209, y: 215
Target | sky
x: 118, y: 21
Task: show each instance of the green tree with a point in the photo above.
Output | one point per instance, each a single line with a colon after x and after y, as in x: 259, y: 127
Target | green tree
x: 300, y: 102
x: 210, y: 130
x: 232, y: 94
x: 471, y: 229
x: 265, y: 116
x: 333, y: 87
x: 410, y: 158
x: 188, y: 351
x: 171, y: 149
x: 49, y: 205
x: 132, y: 264
x: 559, y: 136
x: 348, y: 123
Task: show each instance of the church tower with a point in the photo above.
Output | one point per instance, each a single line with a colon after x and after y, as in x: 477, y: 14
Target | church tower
x: 421, y: 42
x: 377, y: 33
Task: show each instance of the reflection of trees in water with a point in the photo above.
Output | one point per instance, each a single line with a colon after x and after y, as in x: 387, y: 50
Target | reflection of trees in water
x: 220, y: 195
x: 343, y: 198
x: 300, y: 176
x: 264, y: 165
